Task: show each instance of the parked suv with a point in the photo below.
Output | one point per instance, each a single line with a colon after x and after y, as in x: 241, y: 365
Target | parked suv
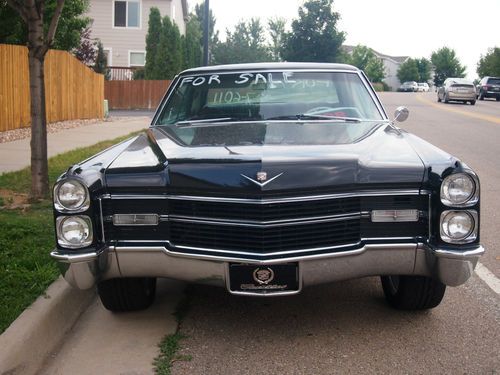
x: 489, y: 87
x: 457, y: 89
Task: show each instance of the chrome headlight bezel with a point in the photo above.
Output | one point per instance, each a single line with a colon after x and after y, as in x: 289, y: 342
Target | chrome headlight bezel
x: 471, y: 235
x: 83, y: 206
x: 471, y: 199
x: 61, y: 239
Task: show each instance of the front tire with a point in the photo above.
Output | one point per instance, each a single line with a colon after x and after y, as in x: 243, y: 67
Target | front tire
x: 472, y: 102
x: 412, y: 292
x: 127, y: 294
x: 445, y: 98
x: 481, y: 96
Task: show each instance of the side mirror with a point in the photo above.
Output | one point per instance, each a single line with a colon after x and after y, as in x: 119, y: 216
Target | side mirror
x: 401, y: 114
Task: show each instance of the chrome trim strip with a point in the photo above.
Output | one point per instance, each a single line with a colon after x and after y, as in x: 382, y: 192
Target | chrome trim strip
x: 102, y: 220
x: 358, y: 251
x: 429, y: 216
x: 279, y: 253
x: 261, y: 184
x: 387, y: 238
x: 367, y: 193
x: 266, y: 224
x: 74, y: 258
x: 457, y: 254
x: 372, y: 93
x: 262, y: 255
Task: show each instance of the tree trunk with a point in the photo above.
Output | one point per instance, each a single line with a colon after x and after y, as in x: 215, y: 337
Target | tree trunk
x: 39, y: 164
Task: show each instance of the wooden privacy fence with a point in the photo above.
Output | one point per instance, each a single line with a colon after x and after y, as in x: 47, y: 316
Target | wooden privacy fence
x: 140, y: 94
x: 72, y: 90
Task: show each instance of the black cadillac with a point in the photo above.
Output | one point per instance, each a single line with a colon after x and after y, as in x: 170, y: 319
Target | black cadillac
x: 266, y: 179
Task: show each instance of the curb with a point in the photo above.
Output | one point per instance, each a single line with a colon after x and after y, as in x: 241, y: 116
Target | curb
x: 38, y: 331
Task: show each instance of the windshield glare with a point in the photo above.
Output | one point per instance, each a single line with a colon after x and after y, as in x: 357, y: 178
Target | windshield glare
x: 261, y: 96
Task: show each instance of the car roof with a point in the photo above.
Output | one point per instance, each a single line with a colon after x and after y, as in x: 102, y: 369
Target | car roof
x: 271, y: 66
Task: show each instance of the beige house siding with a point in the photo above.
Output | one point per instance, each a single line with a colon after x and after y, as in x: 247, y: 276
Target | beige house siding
x: 391, y: 71
x: 120, y: 41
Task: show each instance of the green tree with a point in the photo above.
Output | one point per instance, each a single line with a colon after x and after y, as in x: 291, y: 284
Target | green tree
x: 408, y: 71
x: 365, y: 59
x: 213, y: 35
x: 446, y: 64
x: 168, y: 59
x: 276, y: 27
x: 191, y: 43
x: 245, y: 44
x: 489, y: 64
x: 314, y: 35
x: 375, y: 70
x: 40, y: 39
x: 152, y: 41
x: 71, y: 24
x: 424, y: 69
x: 101, y: 63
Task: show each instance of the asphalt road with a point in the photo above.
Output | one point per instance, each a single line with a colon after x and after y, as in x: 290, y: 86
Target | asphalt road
x: 347, y: 328
x: 342, y: 328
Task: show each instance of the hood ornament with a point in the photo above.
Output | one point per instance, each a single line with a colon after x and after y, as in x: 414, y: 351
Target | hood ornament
x: 261, y: 178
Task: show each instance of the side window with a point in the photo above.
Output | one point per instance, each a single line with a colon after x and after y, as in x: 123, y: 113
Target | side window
x: 137, y: 58
x: 127, y: 13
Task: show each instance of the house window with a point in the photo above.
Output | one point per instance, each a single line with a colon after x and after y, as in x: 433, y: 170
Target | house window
x: 137, y: 58
x: 127, y: 14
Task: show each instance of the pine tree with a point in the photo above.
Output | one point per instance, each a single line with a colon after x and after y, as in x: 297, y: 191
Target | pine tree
x: 152, y: 41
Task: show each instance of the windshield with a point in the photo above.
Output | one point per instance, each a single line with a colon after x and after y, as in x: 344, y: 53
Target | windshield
x: 268, y: 96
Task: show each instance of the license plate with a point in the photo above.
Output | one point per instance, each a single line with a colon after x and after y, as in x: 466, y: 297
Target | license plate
x: 263, y: 279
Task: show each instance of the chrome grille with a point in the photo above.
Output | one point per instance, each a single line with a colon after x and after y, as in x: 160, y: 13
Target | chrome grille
x: 268, y: 225
x: 264, y: 240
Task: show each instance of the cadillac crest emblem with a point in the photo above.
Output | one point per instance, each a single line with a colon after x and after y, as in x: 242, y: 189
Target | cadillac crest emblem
x: 261, y: 176
x: 263, y: 276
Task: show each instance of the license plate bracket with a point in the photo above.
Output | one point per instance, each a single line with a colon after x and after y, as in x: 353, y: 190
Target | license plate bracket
x: 264, y: 279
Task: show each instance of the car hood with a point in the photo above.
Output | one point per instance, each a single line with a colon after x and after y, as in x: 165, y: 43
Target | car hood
x: 381, y: 157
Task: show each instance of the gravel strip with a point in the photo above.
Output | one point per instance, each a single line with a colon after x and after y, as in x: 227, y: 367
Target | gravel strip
x: 17, y: 134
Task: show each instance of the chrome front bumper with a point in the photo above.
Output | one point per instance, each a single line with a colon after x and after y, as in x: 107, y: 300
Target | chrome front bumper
x: 452, y: 267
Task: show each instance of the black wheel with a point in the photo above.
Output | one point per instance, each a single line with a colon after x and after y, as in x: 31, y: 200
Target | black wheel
x: 472, y: 102
x: 481, y: 96
x: 127, y: 294
x: 439, y: 99
x: 445, y: 98
x: 412, y: 292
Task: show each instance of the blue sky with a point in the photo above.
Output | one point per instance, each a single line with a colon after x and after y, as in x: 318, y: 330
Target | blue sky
x: 393, y: 27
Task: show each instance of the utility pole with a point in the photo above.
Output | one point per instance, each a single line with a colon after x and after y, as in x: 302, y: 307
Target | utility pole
x: 206, y: 24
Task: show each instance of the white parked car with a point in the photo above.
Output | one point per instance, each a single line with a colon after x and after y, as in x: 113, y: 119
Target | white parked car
x: 423, y: 87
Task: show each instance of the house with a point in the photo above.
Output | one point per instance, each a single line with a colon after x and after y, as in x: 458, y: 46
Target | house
x: 391, y: 65
x: 122, y: 25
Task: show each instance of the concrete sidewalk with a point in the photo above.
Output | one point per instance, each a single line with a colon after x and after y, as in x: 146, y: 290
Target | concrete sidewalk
x: 16, y: 155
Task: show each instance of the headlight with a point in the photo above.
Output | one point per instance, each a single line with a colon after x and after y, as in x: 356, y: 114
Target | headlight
x: 74, y: 231
x: 71, y: 195
x: 459, y: 226
x: 459, y: 189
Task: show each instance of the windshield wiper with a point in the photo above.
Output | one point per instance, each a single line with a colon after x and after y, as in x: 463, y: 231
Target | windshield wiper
x: 203, y: 122
x: 305, y: 116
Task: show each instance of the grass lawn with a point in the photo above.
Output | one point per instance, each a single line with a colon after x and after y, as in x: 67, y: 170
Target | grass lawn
x: 27, y: 236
